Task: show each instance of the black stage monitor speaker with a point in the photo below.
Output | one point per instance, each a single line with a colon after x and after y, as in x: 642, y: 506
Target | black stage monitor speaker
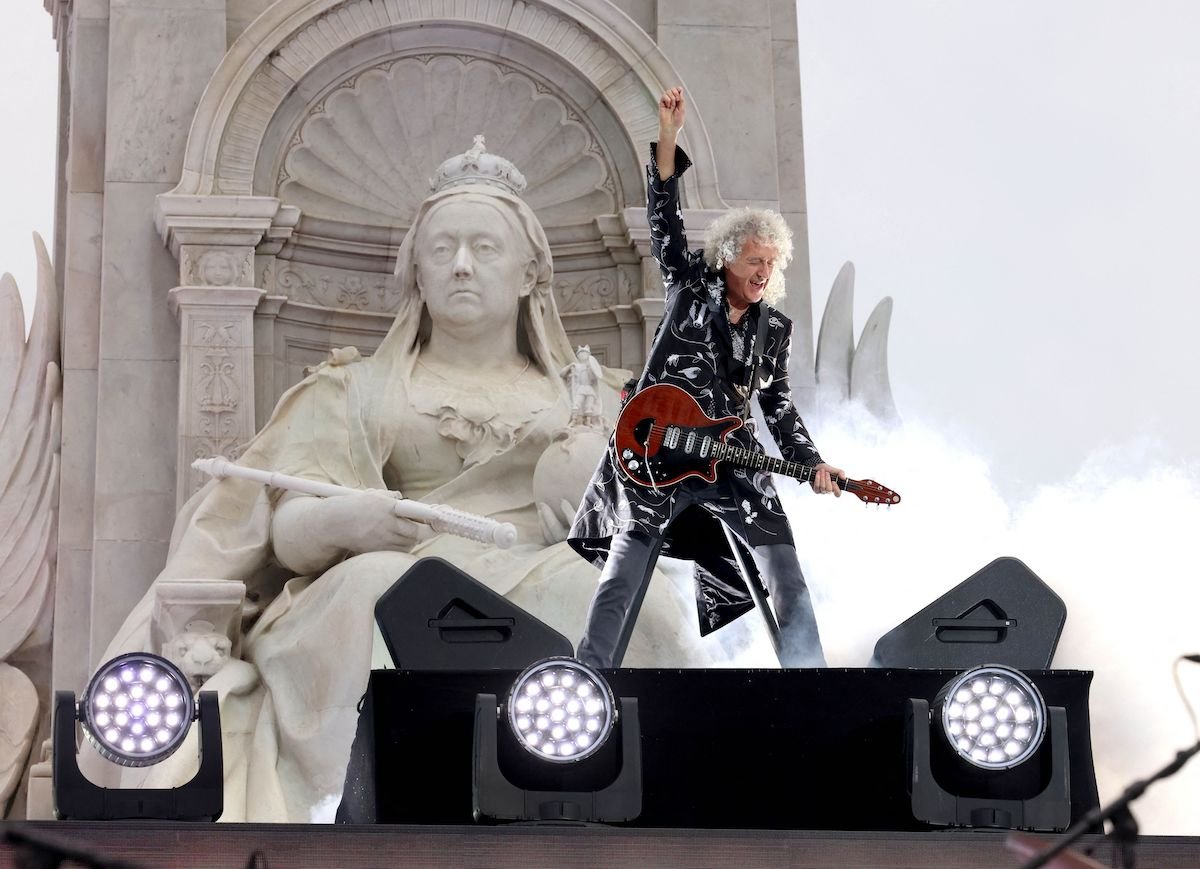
x: 435, y: 617
x: 1003, y: 614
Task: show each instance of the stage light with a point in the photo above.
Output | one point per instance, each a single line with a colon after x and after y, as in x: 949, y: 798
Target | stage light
x: 136, y: 711
x: 1001, y: 759
x: 560, y: 710
x: 994, y: 717
x: 561, y: 714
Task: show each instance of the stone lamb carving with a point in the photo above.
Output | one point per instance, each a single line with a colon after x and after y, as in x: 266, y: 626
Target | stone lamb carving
x: 30, y: 405
x: 457, y: 406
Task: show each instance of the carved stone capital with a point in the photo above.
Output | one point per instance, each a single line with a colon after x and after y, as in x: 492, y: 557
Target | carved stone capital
x: 217, y: 220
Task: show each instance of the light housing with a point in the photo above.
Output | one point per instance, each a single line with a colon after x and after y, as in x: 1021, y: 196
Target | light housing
x: 106, y: 716
x: 524, y: 770
x: 978, y: 770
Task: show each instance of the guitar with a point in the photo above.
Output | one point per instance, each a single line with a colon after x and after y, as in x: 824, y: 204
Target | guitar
x: 663, y: 437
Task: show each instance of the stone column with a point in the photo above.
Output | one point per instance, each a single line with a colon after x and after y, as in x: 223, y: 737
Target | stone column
x: 214, y: 240
x: 216, y: 374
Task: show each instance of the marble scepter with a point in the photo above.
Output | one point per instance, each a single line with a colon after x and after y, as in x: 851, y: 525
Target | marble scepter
x: 437, y: 517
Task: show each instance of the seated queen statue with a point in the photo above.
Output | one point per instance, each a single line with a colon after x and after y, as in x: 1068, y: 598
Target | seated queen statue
x: 457, y: 406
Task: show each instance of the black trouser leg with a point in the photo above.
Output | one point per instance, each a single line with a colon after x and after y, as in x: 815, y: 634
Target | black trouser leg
x: 614, y: 608
x: 800, y: 642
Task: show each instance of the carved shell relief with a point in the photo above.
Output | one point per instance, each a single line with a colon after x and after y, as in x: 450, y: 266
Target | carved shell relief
x: 365, y: 151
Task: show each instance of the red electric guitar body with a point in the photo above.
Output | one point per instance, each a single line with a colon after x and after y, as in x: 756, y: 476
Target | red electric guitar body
x: 663, y: 437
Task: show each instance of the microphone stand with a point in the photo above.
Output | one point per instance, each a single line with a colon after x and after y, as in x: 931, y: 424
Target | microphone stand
x: 1124, y: 825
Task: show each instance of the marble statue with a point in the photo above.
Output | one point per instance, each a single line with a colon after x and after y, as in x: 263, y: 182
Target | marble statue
x: 457, y: 407
x: 583, y: 378
x: 30, y: 408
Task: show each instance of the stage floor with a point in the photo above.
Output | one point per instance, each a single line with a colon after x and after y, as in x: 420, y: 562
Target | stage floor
x: 162, y: 844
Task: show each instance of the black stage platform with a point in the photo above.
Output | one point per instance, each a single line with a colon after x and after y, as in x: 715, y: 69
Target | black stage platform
x: 230, y: 846
x: 820, y: 749
x: 745, y: 768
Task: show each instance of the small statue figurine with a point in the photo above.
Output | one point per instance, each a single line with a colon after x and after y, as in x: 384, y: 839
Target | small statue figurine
x: 583, y: 377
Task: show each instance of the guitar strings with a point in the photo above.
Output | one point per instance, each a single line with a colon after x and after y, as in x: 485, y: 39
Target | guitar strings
x: 806, y: 470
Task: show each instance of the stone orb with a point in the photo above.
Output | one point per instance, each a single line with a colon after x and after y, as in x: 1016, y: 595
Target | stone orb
x: 567, y: 465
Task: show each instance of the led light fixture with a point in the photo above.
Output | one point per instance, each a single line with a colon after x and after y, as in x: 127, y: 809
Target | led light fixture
x: 561, y: 710
x: 555, y: 760
x: 136, y: 711
x: 999, y: 757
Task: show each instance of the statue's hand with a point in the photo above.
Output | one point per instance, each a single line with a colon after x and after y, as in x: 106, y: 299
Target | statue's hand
x: 364, y: 522
x: 311, y: 533
x: 555, y: 525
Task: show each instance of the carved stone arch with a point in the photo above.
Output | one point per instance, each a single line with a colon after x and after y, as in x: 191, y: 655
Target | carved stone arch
x: 352, y: 150
x: 271, y: 183
x: 274, y: 55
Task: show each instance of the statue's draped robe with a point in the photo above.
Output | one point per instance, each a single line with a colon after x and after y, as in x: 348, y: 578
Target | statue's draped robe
x: 288, y: 705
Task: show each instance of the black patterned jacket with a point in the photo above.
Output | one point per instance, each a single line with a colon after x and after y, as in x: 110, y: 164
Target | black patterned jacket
x: 693, y: 349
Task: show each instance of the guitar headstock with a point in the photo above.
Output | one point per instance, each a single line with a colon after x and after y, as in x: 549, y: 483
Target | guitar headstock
x: 871, y: 492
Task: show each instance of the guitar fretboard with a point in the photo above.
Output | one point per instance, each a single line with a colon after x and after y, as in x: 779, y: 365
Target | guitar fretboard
x: 762, y: 462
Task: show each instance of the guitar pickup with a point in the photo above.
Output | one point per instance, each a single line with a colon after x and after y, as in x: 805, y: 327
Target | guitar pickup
x: 671, y: 439
x: 690, y: 443
x: 705, y: 446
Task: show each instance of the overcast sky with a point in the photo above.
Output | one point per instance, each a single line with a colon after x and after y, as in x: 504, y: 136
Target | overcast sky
x: 29, y: 101
x: 1023, y: 178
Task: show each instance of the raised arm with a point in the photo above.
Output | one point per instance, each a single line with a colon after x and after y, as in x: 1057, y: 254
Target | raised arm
x: 668, y: 240
x: 671, y: 112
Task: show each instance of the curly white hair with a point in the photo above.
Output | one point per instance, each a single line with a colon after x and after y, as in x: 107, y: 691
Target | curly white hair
x: 729, y: 232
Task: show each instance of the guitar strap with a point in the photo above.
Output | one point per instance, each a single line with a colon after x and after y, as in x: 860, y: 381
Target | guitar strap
x: 760, y: 342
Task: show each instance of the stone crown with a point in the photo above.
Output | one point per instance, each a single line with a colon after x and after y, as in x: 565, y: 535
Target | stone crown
x: 477, y: 166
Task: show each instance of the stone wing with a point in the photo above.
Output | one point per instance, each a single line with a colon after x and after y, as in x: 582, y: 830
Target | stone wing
x: 30, y: 409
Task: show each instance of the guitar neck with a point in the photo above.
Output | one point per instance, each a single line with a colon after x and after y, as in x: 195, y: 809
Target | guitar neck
x: 757, y: 461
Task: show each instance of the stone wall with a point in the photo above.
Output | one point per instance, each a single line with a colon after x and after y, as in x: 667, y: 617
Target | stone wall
x: 155, y: 96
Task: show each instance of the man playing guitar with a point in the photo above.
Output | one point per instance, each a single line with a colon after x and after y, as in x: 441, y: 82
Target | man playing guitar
x: 721, y: 342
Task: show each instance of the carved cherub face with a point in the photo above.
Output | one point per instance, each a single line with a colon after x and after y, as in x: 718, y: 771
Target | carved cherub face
x: 472, y: 266
x: 218, y: 268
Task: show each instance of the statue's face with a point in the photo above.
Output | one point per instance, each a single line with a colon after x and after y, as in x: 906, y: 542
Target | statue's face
x: 472, y: 268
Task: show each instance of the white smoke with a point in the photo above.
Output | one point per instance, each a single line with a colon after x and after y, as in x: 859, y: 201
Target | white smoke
x: 1113, y: 542
x: 325, y: 811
